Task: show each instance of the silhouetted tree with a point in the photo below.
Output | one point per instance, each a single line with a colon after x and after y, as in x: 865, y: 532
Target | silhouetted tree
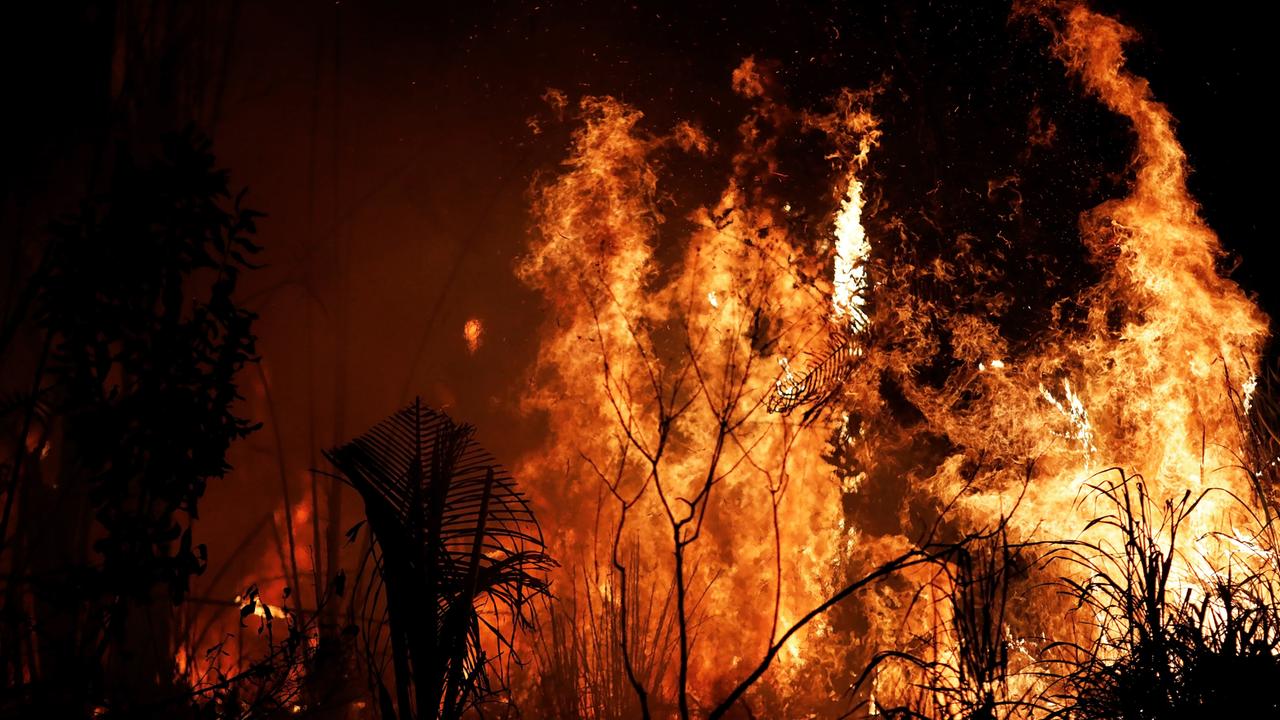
x: 461, y: 556
x: 142, y: 345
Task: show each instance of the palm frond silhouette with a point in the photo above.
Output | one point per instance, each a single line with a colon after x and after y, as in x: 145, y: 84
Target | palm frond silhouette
x: 461, y: 554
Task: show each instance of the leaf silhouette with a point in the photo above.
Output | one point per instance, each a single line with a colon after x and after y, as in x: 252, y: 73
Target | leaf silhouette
x: 455, y: 533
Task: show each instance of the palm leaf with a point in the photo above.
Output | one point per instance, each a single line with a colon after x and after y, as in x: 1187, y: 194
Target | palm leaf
x: 829, y: 371
x: 455, y: 534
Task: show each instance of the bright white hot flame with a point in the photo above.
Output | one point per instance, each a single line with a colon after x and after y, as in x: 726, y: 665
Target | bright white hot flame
x: 1072, y: 408
x: 787, y: 386
x: 852, y: 250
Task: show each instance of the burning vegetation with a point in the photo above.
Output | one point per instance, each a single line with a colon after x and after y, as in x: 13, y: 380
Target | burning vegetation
x: 807, y: 453
x: 747, y: 427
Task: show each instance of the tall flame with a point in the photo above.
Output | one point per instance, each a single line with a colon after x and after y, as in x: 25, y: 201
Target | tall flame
x: 852, y: 251
x: 663, y: 347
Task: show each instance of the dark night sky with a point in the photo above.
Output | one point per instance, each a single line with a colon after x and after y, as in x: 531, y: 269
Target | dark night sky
x: 415, y: 125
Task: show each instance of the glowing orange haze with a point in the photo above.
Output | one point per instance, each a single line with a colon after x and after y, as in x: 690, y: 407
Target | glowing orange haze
x: 723, y: 320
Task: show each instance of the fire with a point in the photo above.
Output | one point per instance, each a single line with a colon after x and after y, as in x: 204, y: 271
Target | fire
x: 473, y: 334
x: 273, y: 598
x: 664, y: 359
x: 849, y: 281
x: 633, y: 353
x: 260, y: 609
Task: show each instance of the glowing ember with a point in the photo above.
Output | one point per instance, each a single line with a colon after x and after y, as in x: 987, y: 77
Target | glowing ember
x: 473, y: 334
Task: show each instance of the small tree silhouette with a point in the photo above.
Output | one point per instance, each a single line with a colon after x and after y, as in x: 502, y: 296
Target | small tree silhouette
x: 459, y: 549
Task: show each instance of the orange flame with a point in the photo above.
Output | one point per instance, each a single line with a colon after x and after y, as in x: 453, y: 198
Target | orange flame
x: 657, y: 347
x: 473, y: 334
